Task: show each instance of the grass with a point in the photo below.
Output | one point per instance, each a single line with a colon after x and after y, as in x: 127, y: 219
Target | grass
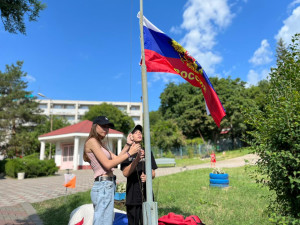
x: 219, y: 156
x: 186, y: 193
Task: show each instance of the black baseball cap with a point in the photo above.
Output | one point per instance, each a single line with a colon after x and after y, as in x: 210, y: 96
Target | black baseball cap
x: 137, y: 127
x: 103, y: 120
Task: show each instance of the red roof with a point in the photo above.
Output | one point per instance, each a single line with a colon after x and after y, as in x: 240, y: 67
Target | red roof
x: 81, y: 127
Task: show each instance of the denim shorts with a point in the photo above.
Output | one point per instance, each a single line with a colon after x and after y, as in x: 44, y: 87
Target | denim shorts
x: 102, y: 195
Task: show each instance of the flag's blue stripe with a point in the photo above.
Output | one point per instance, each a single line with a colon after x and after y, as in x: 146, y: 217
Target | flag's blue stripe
x: 160, y: 43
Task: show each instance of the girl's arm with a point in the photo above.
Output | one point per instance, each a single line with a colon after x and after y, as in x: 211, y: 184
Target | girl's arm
x: 130, y: 168
x: 108, y: 164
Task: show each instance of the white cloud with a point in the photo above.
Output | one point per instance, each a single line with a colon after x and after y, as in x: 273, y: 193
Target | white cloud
x: 203, y: 20
x: 291, y: 26
x: 263, y: 55
x: 292, y: 5
x: 254, y: 77
x: 176, y: 30
x: 30, y: 78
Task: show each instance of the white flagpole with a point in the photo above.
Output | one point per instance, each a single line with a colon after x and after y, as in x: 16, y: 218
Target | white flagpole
x: 150, y: 215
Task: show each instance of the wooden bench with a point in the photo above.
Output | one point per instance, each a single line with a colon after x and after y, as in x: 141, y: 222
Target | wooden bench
x: 165, y: 161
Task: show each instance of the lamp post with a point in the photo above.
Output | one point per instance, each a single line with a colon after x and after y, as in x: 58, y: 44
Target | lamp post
x: 51, y: 119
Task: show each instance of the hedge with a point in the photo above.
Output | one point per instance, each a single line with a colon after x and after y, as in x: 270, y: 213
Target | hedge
x: 32, y: 166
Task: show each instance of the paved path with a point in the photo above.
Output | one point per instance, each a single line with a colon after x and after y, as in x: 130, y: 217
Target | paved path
x: 15, y: 195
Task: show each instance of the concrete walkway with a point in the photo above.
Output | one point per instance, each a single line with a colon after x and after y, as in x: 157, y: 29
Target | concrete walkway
x: 15, y: 195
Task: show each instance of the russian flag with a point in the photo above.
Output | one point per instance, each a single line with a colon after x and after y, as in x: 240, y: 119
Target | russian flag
x: 163, y: 54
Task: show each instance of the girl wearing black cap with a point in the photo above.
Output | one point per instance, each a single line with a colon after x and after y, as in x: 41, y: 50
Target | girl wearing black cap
x: 134, y: 169
x: 102, y: 162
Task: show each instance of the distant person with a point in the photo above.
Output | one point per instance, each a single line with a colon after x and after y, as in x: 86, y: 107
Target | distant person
x: 213, y: 159
x: 134, y: 169
x: 103, y: 161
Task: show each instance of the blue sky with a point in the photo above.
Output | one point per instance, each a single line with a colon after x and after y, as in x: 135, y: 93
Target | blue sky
x: 90, y: 50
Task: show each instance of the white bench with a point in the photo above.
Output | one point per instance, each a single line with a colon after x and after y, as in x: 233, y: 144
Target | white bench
x: 165, y: 161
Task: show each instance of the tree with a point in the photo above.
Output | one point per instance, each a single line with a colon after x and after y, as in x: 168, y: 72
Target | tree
x: 122, y: 121
x: 165, y: 134
x: 185, y: 104
x: 154, y: 117
x: 28, y: 139
x: 19, y: 111
x: 277, y: 135
x: 13, y: 11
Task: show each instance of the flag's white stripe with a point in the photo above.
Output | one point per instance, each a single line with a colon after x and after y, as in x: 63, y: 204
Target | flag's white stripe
x: 148, y: 24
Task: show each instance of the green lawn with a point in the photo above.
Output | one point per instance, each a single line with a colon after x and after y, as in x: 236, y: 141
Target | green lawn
x: 185, y: 193
x: 219, y: 156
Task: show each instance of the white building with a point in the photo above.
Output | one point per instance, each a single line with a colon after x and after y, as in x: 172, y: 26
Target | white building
x: 69, y: 142
x: 74, y: 110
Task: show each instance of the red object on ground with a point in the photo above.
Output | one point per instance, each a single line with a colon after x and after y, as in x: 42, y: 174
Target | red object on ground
x: 175, y: 219
x: 81, y: 222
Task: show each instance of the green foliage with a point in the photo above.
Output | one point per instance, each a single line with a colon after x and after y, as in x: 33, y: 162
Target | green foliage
x: 121, y: 187
x: 17, y: 107
x: 32, y: 166
x: 12, y: 13
x: 2, y: 165
x: 194, y: 141
x: 154, y: 117
x: 185, y: 104
x: 121, y: 120
x: 277, y: 136
x: 166, y: 135
x: 218, y: 171
x: 13, y: 167
x: 190, y: 151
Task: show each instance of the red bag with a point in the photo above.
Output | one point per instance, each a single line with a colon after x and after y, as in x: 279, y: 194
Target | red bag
x: 175, y: 219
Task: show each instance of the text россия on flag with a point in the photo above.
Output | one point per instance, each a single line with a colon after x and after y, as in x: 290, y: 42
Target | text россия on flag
x: 163, y: 54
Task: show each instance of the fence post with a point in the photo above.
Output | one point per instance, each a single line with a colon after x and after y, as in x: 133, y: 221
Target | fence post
x: 180, y: 152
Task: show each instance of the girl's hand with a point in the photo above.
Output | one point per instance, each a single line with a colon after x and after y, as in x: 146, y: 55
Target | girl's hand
x: 130, y: 139
x: 143, y: 177
x: 142, y: 154
x: 135, y: 148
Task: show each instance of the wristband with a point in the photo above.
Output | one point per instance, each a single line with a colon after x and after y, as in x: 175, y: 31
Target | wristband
x: 128, y: 154
x: 128, y: 144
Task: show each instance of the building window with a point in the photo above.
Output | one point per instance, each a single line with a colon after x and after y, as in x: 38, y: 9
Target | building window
x: 134, y: 108
x: 70, y: 118
x: 69, y: 106
x: 83, y: 107
x: 43, y: 106
x: 136, y: 118
x: 57, y: 106
x: 122, y: 108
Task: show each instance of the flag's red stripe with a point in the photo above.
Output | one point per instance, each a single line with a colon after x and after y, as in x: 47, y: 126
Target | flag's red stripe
x: 158, y: 63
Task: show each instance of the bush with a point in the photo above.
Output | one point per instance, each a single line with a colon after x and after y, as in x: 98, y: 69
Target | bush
x: 13, y: 167
x: 2, y: 165
x: 276, y: 136
x: 32, y: 167
x: 190, y: 151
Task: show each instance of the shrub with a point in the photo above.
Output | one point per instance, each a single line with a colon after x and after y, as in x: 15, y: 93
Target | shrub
x: 13, y: 166
x: 32, y: 167
x: 276, y: 136
x: 190, y: 151
x: 2, y: 165
x: 218, y: 171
